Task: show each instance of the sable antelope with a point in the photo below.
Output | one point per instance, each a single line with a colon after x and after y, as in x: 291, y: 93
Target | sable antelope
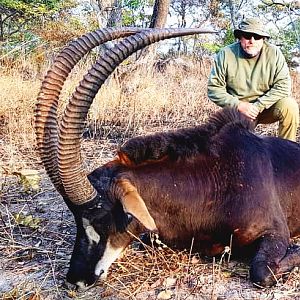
x: 210, y: 183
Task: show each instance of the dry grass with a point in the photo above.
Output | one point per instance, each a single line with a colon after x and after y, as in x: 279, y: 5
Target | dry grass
x: 17, y: 100
x: 34, y: 254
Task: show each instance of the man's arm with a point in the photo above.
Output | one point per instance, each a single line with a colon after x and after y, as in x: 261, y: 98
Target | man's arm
x: 217, y: 91
x: 281, y: 87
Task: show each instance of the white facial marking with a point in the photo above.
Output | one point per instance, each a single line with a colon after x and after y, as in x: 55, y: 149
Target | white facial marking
x: 109, y: 256
x: 91, y: 233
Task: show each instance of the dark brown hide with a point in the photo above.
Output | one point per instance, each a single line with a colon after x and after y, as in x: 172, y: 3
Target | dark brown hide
x: 182, y: 143
x: 216, y: 182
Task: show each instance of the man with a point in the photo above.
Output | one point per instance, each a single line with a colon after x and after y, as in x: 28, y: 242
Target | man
x: 252, y: 75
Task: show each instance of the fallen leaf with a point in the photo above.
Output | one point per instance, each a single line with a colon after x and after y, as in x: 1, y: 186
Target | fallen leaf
x: 227, y: 274
x: 30, y: 179
x: 35, y: 297
x: 72, y: 293
x: 170, y: 281
x: 27, y: 220
x: 165, y: 295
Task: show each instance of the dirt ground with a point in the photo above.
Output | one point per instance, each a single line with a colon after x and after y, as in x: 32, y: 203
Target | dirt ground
x: 36, y: 238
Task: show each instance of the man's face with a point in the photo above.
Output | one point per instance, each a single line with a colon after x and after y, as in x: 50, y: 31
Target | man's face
x: 251, y: 43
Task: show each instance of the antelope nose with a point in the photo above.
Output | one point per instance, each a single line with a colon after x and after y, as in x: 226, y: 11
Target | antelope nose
x: 81, y: 282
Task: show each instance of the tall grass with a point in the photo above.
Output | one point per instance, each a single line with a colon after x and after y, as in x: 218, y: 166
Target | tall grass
x: 141, y: 100
x: 136, y: 99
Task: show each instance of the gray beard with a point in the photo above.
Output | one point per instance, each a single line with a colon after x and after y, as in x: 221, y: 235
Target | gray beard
x: 247, y: 55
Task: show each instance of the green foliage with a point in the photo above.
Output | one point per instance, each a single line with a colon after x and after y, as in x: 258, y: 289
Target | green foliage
x: 18, y: 16
x: 214, y: 47
x: 134, y: 12
x: 33, y: 8
x: 27, y: 26
x: 228, y: 38
x: 133, y: 4
x: 211, y: 47
x: 289, y: 41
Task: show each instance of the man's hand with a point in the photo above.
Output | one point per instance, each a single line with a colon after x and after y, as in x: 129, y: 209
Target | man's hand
x: 248, y: 109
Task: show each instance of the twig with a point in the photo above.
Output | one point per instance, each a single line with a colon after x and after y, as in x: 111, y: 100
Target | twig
x: 230, y: 247
x: 190, y: 254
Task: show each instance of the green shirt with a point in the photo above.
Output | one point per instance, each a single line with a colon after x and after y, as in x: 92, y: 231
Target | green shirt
x: 262, y: 80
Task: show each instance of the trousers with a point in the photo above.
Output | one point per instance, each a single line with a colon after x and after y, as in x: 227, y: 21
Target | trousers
x: 286, y: 112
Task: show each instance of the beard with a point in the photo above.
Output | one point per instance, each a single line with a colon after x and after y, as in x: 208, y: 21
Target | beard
x: 250, y: 52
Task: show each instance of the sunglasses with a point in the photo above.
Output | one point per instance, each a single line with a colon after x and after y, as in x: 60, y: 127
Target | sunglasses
x: 248, y: 36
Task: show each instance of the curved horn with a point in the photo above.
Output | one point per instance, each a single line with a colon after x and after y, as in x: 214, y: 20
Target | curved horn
x: 46, y: 107
x: 75, y: 181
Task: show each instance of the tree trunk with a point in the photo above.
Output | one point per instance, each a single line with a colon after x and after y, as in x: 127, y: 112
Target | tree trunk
x: 115, y: 18
x: 1, y: 29
x: 158, y: 20
x: 160, y: 13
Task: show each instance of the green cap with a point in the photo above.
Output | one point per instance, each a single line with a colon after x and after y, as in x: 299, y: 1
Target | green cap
x: 251, y: 25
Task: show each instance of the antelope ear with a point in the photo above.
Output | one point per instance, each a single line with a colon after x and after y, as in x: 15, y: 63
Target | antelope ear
x: 134, y: 204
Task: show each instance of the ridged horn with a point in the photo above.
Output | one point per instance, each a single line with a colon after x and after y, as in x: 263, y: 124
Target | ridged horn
x: 75, y: 181
x: 46, y: 108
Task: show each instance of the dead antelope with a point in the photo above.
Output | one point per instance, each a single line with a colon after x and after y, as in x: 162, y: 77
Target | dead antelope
x: 210, y: 183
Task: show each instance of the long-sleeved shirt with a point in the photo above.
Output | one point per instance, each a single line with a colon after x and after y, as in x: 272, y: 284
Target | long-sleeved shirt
x: 262, y: 80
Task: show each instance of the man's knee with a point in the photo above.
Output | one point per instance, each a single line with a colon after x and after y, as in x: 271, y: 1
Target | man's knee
x: 288, y: 110
x: 288, y: 116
